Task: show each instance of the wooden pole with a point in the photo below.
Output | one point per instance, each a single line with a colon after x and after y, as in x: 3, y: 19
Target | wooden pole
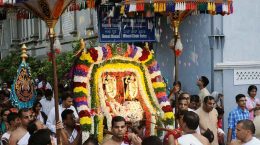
x: 55, y: 81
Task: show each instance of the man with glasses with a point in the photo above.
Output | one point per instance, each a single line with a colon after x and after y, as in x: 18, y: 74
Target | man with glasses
x: 239, y: 113
x: 20, y: 136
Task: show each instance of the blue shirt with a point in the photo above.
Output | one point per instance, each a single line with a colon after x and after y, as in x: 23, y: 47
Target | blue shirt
x: 235, y: 116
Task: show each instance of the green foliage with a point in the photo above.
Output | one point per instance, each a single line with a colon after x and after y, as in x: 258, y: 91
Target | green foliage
x: 64, y: 62
x: 10, y: 64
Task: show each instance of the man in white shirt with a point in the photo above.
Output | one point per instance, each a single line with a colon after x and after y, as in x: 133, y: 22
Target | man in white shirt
x: 245, y: 131
x: 202, y: 83
x: 47, y: 101
x: 67, y: 103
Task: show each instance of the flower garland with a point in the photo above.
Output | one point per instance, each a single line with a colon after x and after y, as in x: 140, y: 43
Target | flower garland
x: 88, y: 74
x: 100, y: 128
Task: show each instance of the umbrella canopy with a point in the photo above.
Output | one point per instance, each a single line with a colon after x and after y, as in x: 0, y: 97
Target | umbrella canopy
x: 47, y: 10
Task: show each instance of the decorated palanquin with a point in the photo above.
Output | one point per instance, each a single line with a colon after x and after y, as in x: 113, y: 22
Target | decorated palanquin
x: 126, y: 81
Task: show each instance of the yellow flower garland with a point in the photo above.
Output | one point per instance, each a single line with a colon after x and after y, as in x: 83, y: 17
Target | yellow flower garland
x: 86, y: 56
x: 85, y: 120
x: 80, y: 89
x: 168, y: 115
x: 159, y: 85
x: 100, y: 128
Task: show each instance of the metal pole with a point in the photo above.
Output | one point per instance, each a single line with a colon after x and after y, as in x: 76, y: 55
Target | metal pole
x: 55, y: 81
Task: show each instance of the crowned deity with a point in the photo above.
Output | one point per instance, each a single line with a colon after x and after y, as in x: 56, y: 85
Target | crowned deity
x: 110, y: 86
x: 131, y: 87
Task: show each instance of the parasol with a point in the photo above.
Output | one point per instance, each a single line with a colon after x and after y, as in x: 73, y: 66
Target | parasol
x: 49, y: 11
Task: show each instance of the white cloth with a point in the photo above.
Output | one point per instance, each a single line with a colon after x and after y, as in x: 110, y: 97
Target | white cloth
x: 257, y: 126
x: 5, y: 137
x: 73, y: 135
x: 253, y: 141
x: 188, y: 139
x: 51, y: 117
x: 48, y: 86
x: 24, y: 140
x: 123, y: 143
x: 203, y: 93
x: 47, y: 105
x: 39, y: 117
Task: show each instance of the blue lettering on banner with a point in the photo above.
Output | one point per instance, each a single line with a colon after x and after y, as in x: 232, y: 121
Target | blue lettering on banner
x: 122, y: 29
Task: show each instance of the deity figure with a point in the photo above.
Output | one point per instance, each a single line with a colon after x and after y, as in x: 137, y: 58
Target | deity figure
x: 24, y: 86
x: 131, y: 88
x: 110, y: 86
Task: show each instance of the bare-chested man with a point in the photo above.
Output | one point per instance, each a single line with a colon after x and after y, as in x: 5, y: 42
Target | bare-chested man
x: 20, y: 136
x: 119, y: 132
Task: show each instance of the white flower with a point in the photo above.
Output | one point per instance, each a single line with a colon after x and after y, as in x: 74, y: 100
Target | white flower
x: 162, y: 104
x: 80, y: 79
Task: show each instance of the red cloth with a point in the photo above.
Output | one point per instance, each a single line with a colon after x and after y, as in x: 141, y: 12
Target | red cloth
x: 219, y: 123
x: 176, y: 134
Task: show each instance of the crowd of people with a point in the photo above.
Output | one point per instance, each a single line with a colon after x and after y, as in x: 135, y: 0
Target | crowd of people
x: 210, y: 109
x: 199, y: 119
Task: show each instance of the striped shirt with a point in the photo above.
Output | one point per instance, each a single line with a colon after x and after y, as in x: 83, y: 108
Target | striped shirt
x: 235, y: 116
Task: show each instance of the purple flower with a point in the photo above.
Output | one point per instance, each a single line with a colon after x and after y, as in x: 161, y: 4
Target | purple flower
x: 132, y: 55
x: 79, y: 72
x: 163, y: 99
x: 81, y: 103
x: 104, y: 50
x: 153, y: 68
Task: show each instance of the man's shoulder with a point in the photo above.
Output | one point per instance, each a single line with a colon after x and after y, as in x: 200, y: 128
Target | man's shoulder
x: 72, y: 107
x: 43, y: 99
x: 255, y: 140
x: 235, y: 142
x: 18, y: 133
x: 257, y: 120
x: 108, y: 142
x: 205, y: 91
x: 234, y: 111
x: 214, y: 111
x: 200, y: 111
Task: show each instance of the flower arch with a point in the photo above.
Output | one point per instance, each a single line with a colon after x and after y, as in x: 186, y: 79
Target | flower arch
x: 131, y: 60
